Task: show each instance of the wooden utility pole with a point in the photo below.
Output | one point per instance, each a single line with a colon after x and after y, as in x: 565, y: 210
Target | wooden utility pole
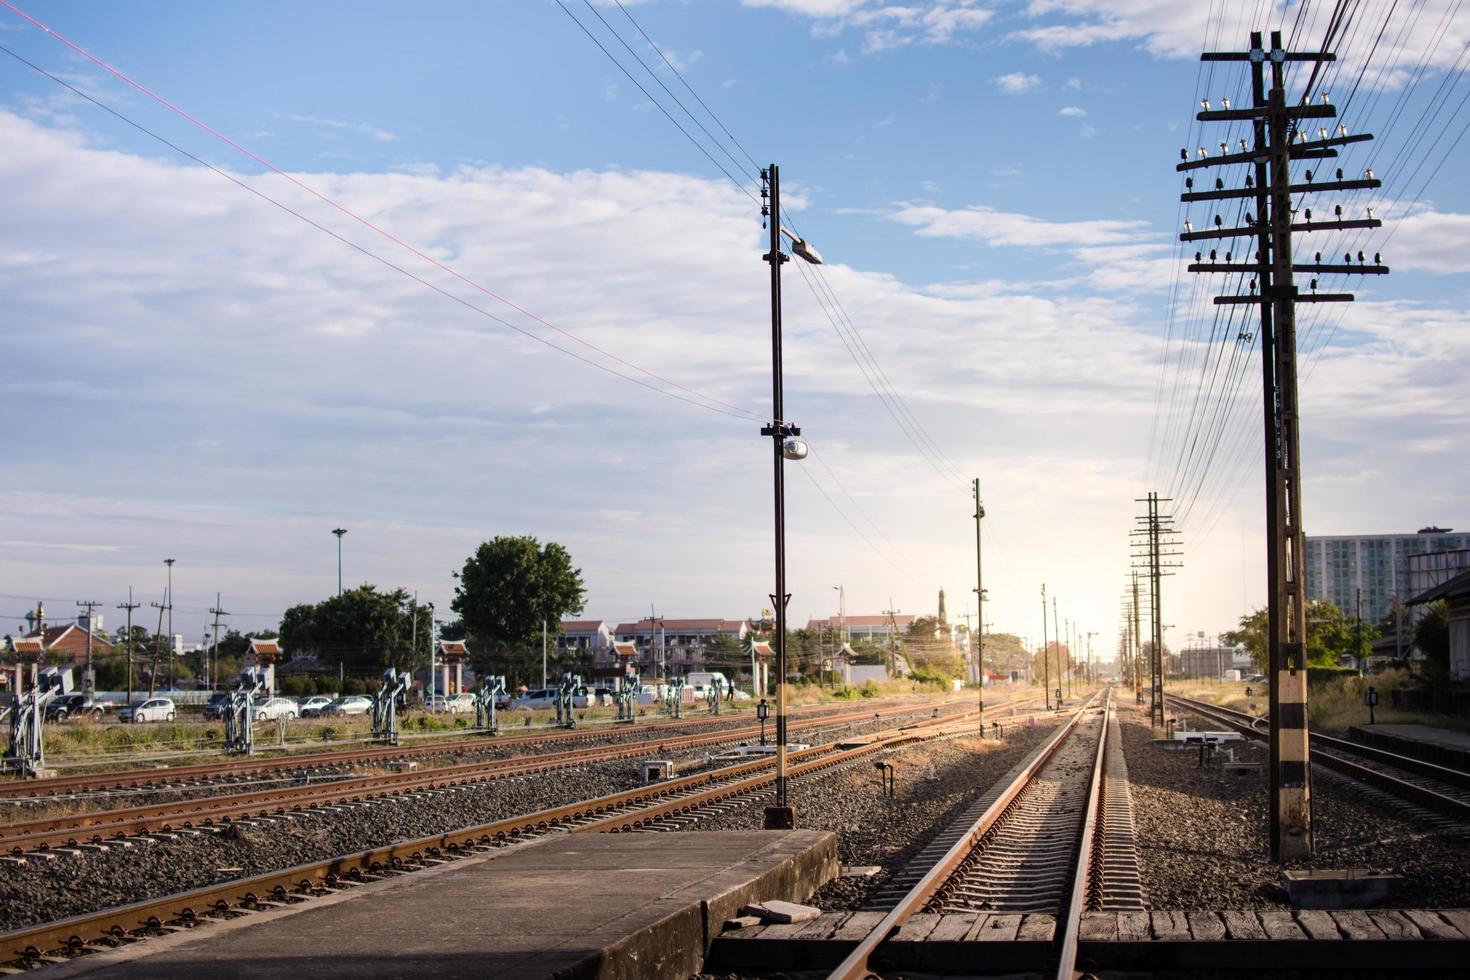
x: 1137, y: 647
x: 214, y: 653
x: 1155, y: 534
x: 157, y: 637
x: 89, y: 681
x: 1278, y: 139
x: 979, y: 587
x: 1045, y: 652
x: 130, y: 605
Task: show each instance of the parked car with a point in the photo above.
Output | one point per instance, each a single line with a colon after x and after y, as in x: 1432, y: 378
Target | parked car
x: 354, y: 704
x: 76, y: 706
x: 460, y: 704
x: 269, y: 709
x: 543, y: 699
x: 436, y: 703
x: 313, y: 707
x: 214, y: 709
x: 154, y: 709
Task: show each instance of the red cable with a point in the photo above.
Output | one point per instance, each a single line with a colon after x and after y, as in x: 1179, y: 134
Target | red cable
x: 364, y: 221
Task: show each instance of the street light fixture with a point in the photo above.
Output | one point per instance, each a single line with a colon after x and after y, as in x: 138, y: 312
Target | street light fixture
x: 785, y: 445
x: 339, y: 531
x: 169, y: 602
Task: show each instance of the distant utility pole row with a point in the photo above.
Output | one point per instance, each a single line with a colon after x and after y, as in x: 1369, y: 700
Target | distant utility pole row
x: 1149, y: 543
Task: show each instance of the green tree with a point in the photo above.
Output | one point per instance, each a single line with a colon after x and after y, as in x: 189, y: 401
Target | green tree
x: 1331, y: 636
x: 1432, y: 637
x: 363, y: 630
x: 507, y: 589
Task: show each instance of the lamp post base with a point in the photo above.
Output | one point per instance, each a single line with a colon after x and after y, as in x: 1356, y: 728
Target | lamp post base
x: 780, y: 818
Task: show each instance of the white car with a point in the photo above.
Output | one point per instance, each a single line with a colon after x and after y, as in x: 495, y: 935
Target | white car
x: 273, y: 708
x: 312, y: 707
x: 544, y: 699
x: 154, y: 709
x: 354, y: 704
x: 459, y: 704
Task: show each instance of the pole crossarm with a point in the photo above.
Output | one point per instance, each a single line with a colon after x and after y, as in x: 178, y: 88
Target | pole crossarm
x: 1316, y: 270
x: 1255, y: 229
x: 1318, y: 149
x: 1295, y: 112
x: 1233, y: 193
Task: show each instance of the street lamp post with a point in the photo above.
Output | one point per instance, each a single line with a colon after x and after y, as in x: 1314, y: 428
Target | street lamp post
x: 339, y: 531
x: 785, y: 445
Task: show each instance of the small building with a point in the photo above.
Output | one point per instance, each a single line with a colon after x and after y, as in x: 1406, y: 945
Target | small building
x: 865, y: 629
x: 264, y: 653
x: 453, y: 654
x: 681, y: 645
x: 67, y: 643
x: 1456, y: 593
x: 585, y: 636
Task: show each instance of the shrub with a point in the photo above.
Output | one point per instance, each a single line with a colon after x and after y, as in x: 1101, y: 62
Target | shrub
x: 868, y: 690
x: 1321, y: 675
x: 353, y: 685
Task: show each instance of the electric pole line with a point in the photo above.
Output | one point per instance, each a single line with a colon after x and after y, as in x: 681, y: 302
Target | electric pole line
x: 214, y: 653
x: 1056, y: 632
x: 1137, y: 646
x: 1278, y: 140
x: 1045, y: 652
x: 979, y: 588
x: 655, y: 653
x: 1156, y: 534
x: 89, y: 681
x: 157, y: 638
x: 130, y: 605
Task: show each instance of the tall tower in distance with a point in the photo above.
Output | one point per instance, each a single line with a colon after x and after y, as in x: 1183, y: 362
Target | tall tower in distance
x: 943, y: 619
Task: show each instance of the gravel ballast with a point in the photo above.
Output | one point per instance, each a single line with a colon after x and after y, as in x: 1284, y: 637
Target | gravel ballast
x: 44, y: 890
x: 1203, y: 842
x: 933, y: 782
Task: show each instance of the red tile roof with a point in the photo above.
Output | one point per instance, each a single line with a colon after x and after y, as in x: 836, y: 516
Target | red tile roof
x: 624, y: 649
x: 453, y: 648
x: 581, y: 625
x: 685, y: 626
x: 71, y: 639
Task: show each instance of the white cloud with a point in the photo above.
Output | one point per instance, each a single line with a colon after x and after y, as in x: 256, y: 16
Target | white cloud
x: 1017, y: 83
x: 1071, y: 110
x: 994, y: 227
x: 334, y: 126
x: 887, y: 26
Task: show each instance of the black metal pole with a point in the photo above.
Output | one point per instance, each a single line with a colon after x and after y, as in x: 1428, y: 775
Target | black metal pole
x: 782, y: 816
x: 1045, y: 653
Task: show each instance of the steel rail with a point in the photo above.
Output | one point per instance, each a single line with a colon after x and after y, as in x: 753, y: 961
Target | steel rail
x: 1081, y: 876
x: 164, y: 775
x: 96, y: 827
x: 1402, y: 788
x: 115, y: 924
x: 857, y: 964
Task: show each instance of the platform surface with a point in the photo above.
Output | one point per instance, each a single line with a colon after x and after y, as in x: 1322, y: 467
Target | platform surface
x: 1443, y: 737
x: 574, y: 905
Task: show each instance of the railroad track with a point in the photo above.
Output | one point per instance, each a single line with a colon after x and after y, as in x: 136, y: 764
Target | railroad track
x: 1442, y: 791
x: 210, y: 774
x: 96, y: 829
x: 629, y: 810
x: 1050, y: 840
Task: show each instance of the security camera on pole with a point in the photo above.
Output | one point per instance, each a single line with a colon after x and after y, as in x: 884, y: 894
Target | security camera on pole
x: 785, y: 445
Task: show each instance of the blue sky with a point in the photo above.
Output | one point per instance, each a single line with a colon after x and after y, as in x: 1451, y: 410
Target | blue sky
x: 197, y: 374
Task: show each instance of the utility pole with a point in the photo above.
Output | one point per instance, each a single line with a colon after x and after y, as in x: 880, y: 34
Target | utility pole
x: 214, y: 654
x: 1056, y: 630
x: 1156, y: 534
x: 979, y: 586
x: 130, y: 605
x: 89, y: 681
x: 543, y: 652
x: 1090, y: 635
x: 892, y: 615
x: 1137, y: 647
x: 170, y: 598
x: 1278, y: 140
x: 157, y: 638
x: 655, y: 652
x: 1045, y: 652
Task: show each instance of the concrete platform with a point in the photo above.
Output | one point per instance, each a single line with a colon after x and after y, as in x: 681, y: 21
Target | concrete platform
x: 1438, y: 745
x: 574, y: 906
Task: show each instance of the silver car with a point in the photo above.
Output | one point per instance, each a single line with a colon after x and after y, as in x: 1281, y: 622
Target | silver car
x: 154, y: 709
x: 271, y: 709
